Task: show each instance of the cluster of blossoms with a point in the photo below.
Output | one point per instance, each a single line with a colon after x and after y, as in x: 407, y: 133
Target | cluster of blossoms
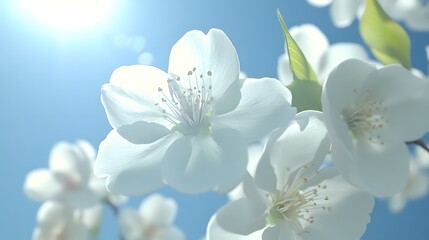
x: 73, y: 199
x: 200, y: 127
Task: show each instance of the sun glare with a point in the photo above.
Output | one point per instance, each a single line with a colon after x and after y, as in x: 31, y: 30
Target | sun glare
x: 68, y: 15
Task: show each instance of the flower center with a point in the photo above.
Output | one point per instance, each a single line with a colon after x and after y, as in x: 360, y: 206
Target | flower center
x: 293, y: 205
x: 68, y: 180
x: 188, y: 104
x: 367, y: 119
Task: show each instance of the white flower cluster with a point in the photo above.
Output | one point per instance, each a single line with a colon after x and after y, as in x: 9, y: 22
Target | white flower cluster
x: 191, y: 127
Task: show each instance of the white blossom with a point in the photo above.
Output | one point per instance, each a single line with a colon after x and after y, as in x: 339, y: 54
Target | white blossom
x: 290, y: 198
x: 153, y: 220
x: 66, y: 180
x: 189, y: 127
x: 370, y: 114
x: 55, y: 221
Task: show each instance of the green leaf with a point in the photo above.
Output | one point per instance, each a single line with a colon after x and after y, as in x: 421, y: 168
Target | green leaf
x: 299, y: 65
x: 388, y: 41
x: 306, y: 95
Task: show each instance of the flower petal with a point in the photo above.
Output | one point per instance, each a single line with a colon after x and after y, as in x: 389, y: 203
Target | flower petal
x: 336, y: 54
x: 406, y: 98
x: 241, y: 217
x: 382, y: 168
x: 79, y: 198
x: 340, y: 90
x: 69, y: 159
x: 126, y: 164
x: 130, y: 224
x: 216, y: 232
x: 158, y: 210
x: 124, y: 107
x: 307, y: 133
x: 319, y: 3
x: 142, y: 132
x: 279, y: 232
x: 170, y: 233
x: 346, y: 211
x: 199, y: 163
x: 283, y: 70
x: 343, y: 12
x: 264, y: 106
x: 41, y: 185
x: 213, y: 52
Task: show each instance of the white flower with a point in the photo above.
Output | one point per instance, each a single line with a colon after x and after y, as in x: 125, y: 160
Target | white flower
x: 370, y: 113
x: 56, y: 221
x: 417, y: 185
x: 322, y: 56
x: 188, y: 128
x: 414, y: 13
x: 343, y: 12
x: 67, y: 178
x: 290, y: 198
x: 153, y: 220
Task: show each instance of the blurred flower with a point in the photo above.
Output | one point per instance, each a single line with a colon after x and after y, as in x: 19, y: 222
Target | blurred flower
x: 189, y: 128
x: 322, y: 56
x: 414, y: 13
x: 153, y: 220
x: 56, y: 221
x: 418, y: 182
x: 370, y: 113
x: 289, y: 198
x: 66, y: 180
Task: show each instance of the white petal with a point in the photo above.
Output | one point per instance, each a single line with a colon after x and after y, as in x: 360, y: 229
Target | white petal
x: 79, y: 198
x: 200, y: 163
x: 405, y: 97
x: 397, y: 203
x: 126, y: 164
x: 421, y: 157
x: 70, y: 160
x: 142, y: 81
x: 170, y: 233
x: 51, y: 214
x: 91, y: 217
x: 279, y: 232
x: 142, y: 132
x: 130, y: 224
x: 346, y: 212
x: 283, y: 70
x: 339, y: 89
x: 264, y: 106
x: 241, y: 217
x: 336, y: 54
x: 320, y: 3
x: 307, y: 133
x: 343, y: 12
x: 311, y: 41
x: 87, y: 148
x: 125, y: 107
x: 213, y: 52
x: 418, y: 18
x: 158, y: 210
x: 41, y: 185
x: 216, y: 232
x: 383, y: 169
x: 417, y: 185
x: 76, y: 231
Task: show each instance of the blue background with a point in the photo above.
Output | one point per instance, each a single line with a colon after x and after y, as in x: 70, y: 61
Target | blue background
x: 50, y: 91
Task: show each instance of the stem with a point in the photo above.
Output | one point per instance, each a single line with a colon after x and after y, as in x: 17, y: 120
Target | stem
x: 115, y: 211
x: 420, y: 143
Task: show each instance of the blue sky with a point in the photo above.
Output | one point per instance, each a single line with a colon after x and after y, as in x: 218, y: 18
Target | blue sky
x: 50, y: 91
